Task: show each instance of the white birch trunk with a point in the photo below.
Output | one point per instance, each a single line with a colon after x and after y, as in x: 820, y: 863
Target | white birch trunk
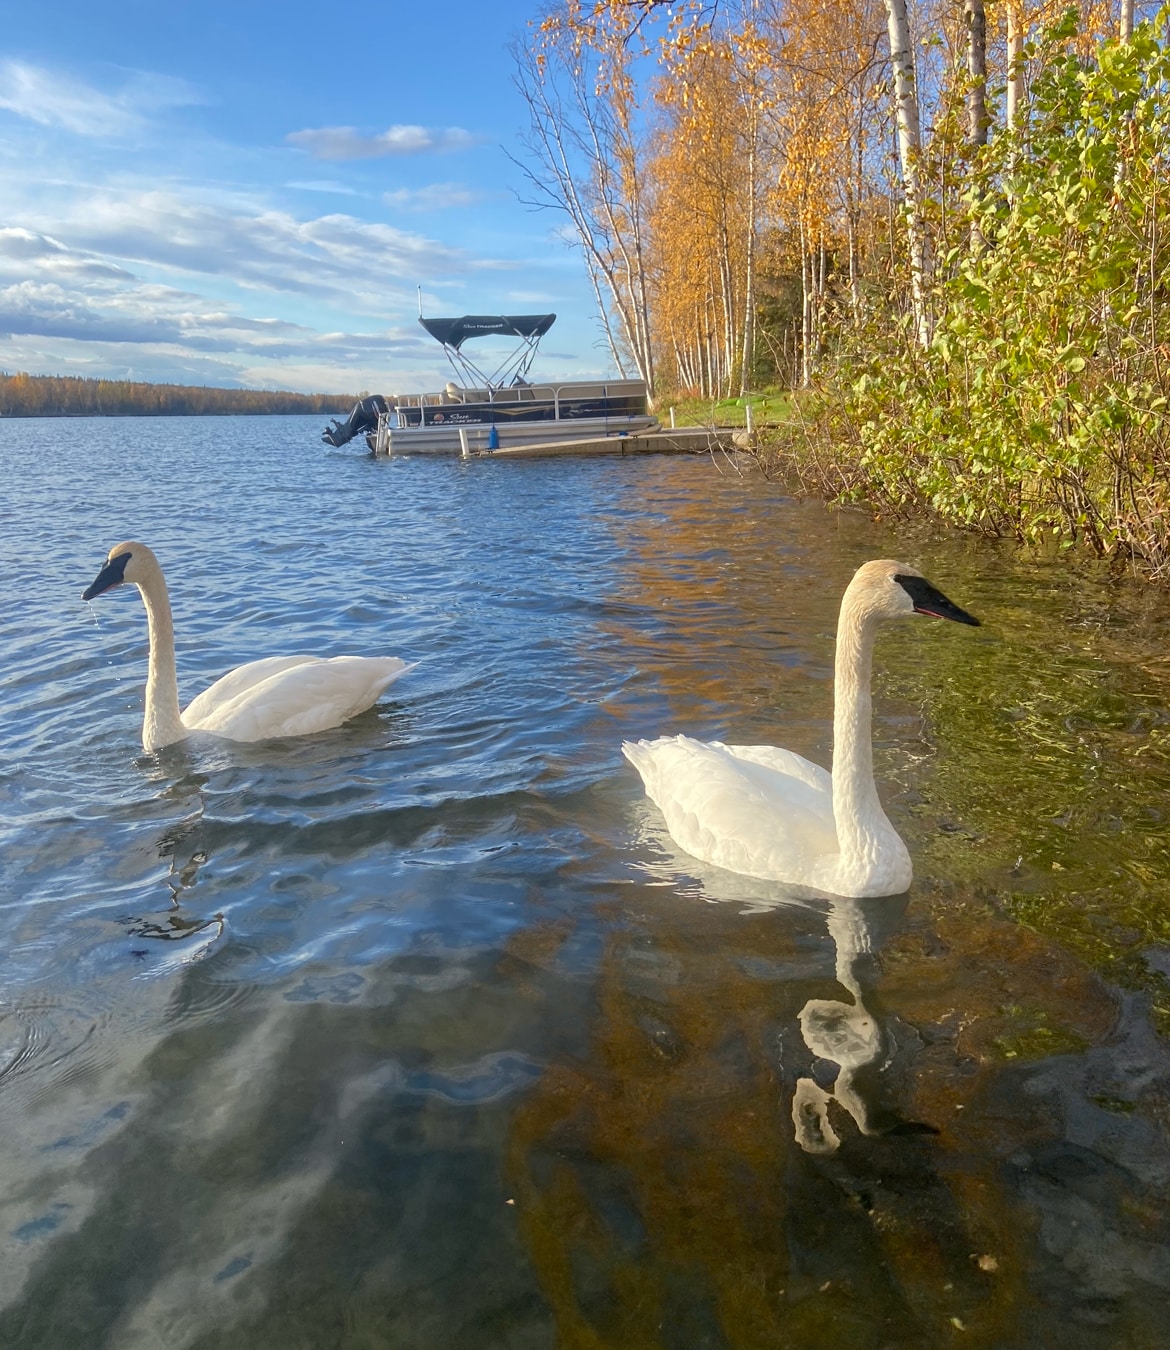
x: 909, y: 153
x: 975, y: 17
x: 749, y: 280
x: 805, y: 308
x: 727, y: 284
x: 1015, y: 57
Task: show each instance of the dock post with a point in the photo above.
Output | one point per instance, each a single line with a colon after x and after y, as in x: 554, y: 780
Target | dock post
x: 749, y: 419
x: 672, y: 417
x: 465, y: 453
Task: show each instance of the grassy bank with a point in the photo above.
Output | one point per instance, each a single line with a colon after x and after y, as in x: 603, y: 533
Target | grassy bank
x: 770, y: 407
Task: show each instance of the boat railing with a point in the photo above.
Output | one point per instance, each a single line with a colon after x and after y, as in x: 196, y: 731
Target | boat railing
x: 457, y: 395
x: 382, y: 435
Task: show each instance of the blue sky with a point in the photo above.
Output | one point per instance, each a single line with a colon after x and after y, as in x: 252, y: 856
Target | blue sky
x: 250, y: 193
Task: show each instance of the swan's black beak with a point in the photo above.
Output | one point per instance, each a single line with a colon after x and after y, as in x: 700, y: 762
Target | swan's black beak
x: 928, y: 600
x: 113, y: 574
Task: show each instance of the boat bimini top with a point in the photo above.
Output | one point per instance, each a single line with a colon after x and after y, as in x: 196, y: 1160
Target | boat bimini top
x: 513, y: 369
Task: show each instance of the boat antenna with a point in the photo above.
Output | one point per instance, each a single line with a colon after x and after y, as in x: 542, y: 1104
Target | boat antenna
x: 420, y: 302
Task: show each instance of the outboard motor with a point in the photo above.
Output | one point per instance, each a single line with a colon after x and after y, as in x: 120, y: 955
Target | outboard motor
x: 363, y: 418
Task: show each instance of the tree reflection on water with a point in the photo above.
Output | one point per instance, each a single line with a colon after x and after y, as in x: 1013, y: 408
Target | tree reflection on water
x: 807, y: 1125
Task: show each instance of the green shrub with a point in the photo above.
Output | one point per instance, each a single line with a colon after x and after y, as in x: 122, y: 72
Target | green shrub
x: 1039, y: 407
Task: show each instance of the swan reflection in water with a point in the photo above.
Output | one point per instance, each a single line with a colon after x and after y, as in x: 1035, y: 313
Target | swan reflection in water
x: 845, y: 1034
x: 851, y: 1046
x: 182, y: 847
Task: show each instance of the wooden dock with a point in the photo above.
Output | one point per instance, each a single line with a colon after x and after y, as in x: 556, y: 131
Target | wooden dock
x: 679, y: 441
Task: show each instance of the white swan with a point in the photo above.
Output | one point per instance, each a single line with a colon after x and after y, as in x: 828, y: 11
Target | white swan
x: 770, y: 813
x: 277, y: 696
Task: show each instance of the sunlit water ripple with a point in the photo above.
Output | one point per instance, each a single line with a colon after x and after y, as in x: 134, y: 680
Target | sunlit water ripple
x: 421, y: 1032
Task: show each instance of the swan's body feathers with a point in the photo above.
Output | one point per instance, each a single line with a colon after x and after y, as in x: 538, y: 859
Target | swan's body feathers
x: 786, y: 762
x: 235, y: 683
x: 291, y: 695
x: 754, y: 809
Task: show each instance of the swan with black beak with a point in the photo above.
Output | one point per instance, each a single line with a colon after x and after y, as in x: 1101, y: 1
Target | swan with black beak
x: 275, y: 696
x: 770, y: 813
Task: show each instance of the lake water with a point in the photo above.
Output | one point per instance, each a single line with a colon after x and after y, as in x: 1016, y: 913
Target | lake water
x: 419, y: 1033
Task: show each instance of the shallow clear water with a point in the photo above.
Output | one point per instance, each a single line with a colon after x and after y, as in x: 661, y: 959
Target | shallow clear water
x: 420, y: 1033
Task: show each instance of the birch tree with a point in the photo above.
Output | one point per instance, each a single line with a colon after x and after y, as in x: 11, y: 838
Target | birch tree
x: 586, y: 161
x: 703, y: 219
x: 1015, y: 62
x: 975, y: 18
x: 909, y: 155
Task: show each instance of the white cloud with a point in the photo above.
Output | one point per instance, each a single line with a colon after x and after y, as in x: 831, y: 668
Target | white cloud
x: 136, y: 336
x: 322, y: 185
x: 365, y: 267
x: 109, y: 266
x: 153, y: 315
x: 18, y: 243
x: 27, y: 249
x: 338, y: 363
x: 98, y: 319
x: 349, y: 143
x: 433, y: 197
x: 57, y: 99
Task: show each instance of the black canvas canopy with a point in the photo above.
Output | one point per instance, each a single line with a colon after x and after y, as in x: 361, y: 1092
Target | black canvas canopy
x: 527, y: 329
x: 455, y: 332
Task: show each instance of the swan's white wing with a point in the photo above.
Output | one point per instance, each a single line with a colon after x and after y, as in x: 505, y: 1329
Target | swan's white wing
x: 752, y: 809
x: 785, y: 762
x: 296, y: 696
x: 234, y: 683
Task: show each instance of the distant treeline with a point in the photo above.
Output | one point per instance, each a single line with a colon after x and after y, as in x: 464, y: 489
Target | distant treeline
x: 69, y: 396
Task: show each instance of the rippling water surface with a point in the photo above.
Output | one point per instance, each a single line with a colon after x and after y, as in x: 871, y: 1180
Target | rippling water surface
x: 420, y: 1033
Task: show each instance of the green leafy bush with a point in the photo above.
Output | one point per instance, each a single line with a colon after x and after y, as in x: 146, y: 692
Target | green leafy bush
x: 1039, y: 407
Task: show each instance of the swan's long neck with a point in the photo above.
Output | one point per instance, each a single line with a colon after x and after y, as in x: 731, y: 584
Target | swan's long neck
x: 163, y: 723
x: 861, y: 823
x: 850, y: 931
